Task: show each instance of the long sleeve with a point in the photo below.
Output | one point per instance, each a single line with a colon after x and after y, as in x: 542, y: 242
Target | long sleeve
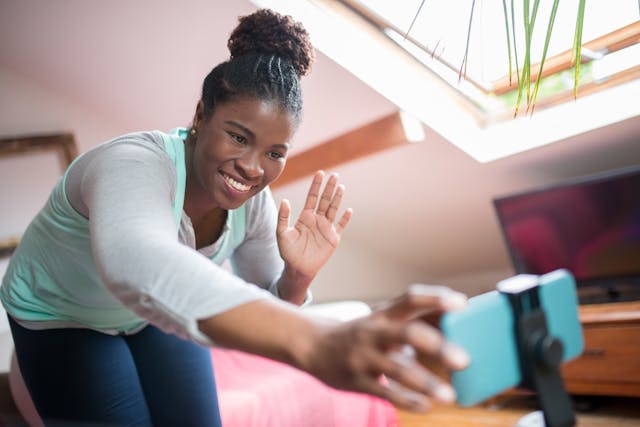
x: 128, y: 192
x: 257, y: 260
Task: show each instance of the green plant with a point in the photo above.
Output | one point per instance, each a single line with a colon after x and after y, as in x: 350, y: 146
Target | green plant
x: 523, y: 74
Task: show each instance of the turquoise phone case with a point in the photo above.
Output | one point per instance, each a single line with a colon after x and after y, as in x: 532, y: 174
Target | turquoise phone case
x: 485, y: 330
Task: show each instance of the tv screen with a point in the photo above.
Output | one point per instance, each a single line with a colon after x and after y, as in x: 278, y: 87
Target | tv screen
x: 590, y: 226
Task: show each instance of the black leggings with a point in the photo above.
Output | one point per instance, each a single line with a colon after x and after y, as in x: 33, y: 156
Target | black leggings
x: 80, y: 377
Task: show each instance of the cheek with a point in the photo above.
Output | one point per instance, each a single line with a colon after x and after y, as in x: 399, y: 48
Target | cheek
x: 207, y: 164
x: 274, y: 170
x: 211, y: 155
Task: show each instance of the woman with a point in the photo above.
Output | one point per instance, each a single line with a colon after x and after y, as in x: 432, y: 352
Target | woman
x: 112, y: 294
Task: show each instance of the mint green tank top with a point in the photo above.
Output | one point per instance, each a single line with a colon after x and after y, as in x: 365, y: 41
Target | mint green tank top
x: 52, y: 275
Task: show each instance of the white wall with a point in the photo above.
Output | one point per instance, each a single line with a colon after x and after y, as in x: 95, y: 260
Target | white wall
x: 28, y: 108
x: 355, y: 273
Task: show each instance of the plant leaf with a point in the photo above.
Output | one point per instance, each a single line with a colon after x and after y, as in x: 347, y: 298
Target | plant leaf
x: 515, y: 50
x: 577, y: 46
x: 506, y: 26
x: 532, y: 20
x: 466, y: 50
x: 527, y: 55
x: 544, y: 52
x: 414, y: 19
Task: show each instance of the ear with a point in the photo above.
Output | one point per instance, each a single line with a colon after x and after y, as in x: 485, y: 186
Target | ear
x: 198, y: 118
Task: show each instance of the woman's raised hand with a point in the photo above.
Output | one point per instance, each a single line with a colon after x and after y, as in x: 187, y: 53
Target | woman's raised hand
x: 309, y: 244
x: 393, y: 342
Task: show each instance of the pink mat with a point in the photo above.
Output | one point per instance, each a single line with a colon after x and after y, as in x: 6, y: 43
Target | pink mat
x: 257, y: 392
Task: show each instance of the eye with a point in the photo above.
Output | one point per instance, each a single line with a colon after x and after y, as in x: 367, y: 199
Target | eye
x: 238, y: 138
x: 275, y: 155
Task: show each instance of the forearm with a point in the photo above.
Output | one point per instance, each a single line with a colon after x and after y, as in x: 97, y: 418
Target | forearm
x: 351, y: 355
x: 293, y: 286
x: 269, y: 328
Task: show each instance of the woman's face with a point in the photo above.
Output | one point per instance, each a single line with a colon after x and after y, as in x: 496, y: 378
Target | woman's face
x: 241, y: 149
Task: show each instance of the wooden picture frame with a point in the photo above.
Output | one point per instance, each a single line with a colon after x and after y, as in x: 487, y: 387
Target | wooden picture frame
x: 62, y: 144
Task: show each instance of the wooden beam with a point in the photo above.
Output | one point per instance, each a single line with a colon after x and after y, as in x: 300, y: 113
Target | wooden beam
x: 63, y: 143
x: 374, y: 137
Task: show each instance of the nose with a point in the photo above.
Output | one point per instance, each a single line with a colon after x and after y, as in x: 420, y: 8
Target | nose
x: 249, y: 165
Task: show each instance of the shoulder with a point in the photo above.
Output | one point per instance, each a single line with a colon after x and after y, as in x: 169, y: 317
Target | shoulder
x: 138, y: 152
x: 139, y: 147
x: 151, y: 141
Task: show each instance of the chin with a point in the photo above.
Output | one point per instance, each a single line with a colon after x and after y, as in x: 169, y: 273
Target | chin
x: 230, y: 203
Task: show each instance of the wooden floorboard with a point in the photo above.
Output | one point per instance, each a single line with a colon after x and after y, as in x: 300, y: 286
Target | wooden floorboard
x: 505, y: 412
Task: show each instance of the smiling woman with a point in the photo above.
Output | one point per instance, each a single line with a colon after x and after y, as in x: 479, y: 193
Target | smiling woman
x: 119, y: 279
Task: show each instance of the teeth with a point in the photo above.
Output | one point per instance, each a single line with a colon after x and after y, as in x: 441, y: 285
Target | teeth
x: 235, y: 184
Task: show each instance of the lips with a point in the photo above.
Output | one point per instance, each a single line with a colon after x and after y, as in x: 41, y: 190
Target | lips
x: 236, y: 185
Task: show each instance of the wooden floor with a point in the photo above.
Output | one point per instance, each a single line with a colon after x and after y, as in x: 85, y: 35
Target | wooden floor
x: 506, y: 411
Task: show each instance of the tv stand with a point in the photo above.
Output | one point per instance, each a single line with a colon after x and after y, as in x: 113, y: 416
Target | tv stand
x: 610, y: 362
x: 609, y: 290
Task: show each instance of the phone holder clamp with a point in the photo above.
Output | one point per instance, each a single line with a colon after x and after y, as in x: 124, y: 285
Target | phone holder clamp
x: 539, y: 353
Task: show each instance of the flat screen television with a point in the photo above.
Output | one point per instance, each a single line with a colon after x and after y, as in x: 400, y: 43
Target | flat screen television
x: 589, y: 225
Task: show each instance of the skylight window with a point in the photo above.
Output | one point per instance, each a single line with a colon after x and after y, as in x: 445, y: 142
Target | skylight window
x: 417, y: 66
x: 438, y: 33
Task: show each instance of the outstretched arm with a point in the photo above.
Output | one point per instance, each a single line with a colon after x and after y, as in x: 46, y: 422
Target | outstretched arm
x: 353, y: 355
x: 306, y: 246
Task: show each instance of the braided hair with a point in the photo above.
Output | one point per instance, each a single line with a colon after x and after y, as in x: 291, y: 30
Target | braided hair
x: 269, y: 54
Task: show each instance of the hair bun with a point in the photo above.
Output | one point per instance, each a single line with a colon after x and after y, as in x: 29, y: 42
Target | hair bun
x: 266, y: 31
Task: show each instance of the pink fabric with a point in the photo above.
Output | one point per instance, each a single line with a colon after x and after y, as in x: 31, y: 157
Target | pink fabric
x: 257, y: 392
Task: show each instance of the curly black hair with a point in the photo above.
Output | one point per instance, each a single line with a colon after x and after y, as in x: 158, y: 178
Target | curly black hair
x: 269, y: 54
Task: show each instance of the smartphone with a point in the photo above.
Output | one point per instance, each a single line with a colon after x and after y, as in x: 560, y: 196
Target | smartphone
x: 485, y: 329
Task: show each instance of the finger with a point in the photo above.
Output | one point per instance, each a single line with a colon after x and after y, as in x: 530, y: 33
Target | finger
x: 346, y: 216
x: 450, y: 358
x: 426, y: 340
x: 421, y: 337
x: 335, y: 203
x: 283, y: 216
x: 403, y: 368
x: 420, y: 299
x: 398, y: 395
x: 314, y: 191
x: 429, y: 343
x: 327, y: 194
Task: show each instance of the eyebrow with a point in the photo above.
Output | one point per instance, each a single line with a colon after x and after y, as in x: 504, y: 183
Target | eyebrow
x: 248, y: 131
x: 241, y: 127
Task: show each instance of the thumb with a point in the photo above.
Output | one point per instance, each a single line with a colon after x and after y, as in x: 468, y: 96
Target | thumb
x: 283, y: 216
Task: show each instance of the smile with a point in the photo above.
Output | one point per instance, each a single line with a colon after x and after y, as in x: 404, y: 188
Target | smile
x: 238, y: 186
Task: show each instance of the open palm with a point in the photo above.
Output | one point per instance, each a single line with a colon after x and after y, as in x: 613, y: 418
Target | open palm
x: 309, y: 244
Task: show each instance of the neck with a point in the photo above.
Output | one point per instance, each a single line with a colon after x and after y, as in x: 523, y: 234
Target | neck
x: 209, y: 227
